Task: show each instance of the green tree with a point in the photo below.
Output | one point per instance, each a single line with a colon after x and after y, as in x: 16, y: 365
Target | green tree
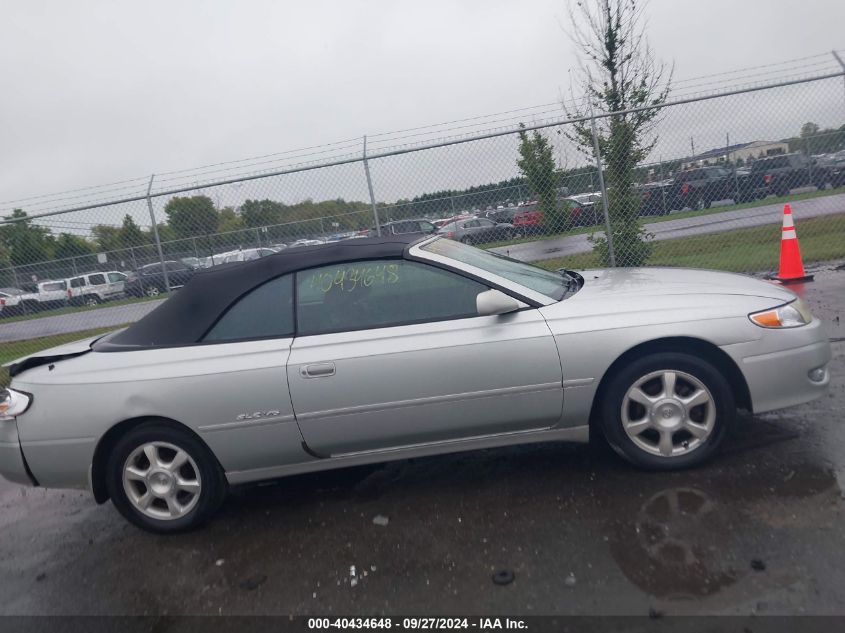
x: 130, y: 234
x: 809, y: 129
x: 258, y: 213
x: 26, y: 243
x: 107, y: 238
x: 192, y: 216
x: 230, y: 220
x: 68, y: 245
x: 536, y: 162
x: 619, y: 73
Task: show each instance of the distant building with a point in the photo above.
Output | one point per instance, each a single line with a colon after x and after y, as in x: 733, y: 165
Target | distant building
x: 744, y: 152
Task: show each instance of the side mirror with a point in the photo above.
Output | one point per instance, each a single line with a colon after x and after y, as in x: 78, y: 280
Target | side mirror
x: 495, y: 302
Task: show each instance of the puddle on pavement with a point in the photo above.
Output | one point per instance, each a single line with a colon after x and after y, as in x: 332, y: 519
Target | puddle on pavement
x: 691, y: 542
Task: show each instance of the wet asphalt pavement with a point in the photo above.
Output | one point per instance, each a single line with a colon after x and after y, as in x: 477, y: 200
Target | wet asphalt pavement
x: 759, y: 529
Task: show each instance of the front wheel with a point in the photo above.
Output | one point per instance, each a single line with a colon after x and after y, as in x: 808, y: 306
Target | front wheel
x: 466, y: 239
x: 666, y: 411
x: 152, y: 291
x: 163, y: 479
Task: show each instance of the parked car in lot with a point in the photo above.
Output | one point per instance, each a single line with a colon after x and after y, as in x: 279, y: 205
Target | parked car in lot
x: 247, y: 255
x: 389, y: 348
x: 94, y: 288
x: 578, y: 210
x: 700, y: 187
x: 655, y: 197
x: 478, y: 231
x: 10, y: 302
x: 306, y: 242
x: 405, y: 227
x: 149, y: 280
x: 835, y: 164
x: 779, y: 174
x: 45, y: 295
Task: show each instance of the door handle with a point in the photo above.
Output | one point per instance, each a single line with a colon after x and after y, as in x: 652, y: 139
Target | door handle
x: 318, y: 370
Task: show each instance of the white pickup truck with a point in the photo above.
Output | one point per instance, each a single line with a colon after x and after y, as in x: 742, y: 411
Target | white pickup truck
x: 44, y: 295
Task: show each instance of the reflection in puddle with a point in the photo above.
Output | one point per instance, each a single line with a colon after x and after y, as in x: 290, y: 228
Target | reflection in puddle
x: 673, y: 548
x: 682, y: 543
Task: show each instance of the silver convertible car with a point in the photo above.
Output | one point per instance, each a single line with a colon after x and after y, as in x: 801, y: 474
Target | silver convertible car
x: 387, y: 348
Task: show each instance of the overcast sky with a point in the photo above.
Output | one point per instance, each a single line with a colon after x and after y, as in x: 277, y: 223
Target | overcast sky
x: 99, y: 91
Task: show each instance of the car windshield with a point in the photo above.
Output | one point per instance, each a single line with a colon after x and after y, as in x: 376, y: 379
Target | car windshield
x: 551, y: 284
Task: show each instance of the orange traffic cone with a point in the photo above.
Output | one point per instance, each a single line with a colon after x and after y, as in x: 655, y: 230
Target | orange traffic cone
x: 791, y: 268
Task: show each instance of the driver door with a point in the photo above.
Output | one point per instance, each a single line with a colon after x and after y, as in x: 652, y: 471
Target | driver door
x: 392, y: 353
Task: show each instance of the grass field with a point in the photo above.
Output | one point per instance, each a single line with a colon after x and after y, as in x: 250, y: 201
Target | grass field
x: 741, y: 250
x: 16, y: 349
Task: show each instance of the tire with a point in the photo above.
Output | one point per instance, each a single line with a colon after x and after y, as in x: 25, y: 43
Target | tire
x: 188, y: 510
x: 152, y: 291
x: 92, y: 300
x: 702, y: 203
x: 709, y: 419
x: 466, y: 239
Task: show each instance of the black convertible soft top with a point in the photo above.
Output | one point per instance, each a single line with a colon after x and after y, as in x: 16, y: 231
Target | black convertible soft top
x: 190, y: 312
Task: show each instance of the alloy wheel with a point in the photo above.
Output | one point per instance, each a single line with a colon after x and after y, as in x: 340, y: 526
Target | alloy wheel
x: 668, y: 413
x: 153, y: 291
x: 161, y: 480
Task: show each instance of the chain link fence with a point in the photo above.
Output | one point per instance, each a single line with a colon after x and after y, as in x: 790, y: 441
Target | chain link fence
x: 707, y: 190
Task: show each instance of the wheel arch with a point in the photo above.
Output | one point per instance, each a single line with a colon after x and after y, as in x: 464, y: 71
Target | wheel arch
x: 691, y: 345
x: 110, y: 438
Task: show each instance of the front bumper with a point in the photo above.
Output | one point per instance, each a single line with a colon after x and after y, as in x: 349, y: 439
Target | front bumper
x: 12, y: 465
x: 777, y: 368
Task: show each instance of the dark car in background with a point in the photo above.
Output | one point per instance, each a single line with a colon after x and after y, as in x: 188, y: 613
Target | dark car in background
x: 478, y: 231
x: 149, y: 280
x: 700, y: 187
x: 779, y: 174
x: 655, y: 197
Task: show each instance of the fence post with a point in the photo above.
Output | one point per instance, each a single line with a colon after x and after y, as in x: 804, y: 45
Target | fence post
x: 155, y: 234
x: 736, y: 177
x: 841, y: 63
x: 809, y: 160
x: 608, y: 228
x: 73, y: 264
x: 370, y: 187
x: 662, y: 187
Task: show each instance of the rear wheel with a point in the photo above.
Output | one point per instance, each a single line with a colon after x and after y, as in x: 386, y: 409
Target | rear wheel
x: 92, y: 300
x: 467, y: 239
x: 666, y: 411
x: 163, y: 479
x: 152, y: 291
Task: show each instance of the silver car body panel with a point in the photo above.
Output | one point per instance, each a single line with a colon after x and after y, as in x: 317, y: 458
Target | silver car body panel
x: 426, y: 382
x: 284, y: 406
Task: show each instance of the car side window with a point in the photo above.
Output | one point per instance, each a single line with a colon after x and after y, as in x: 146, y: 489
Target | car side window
x: 77, y: 282
x: 264, y: 312
x: 115, y: 277
x: 97, y: 280
x: 380, y: 293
